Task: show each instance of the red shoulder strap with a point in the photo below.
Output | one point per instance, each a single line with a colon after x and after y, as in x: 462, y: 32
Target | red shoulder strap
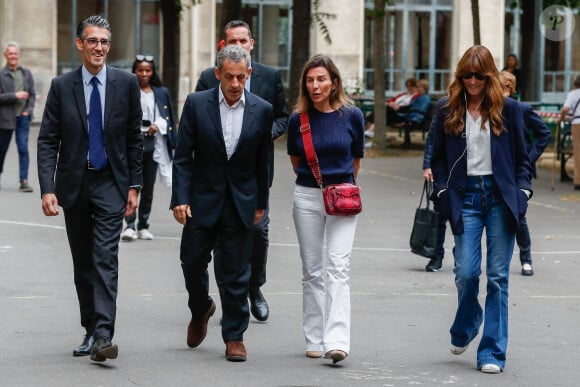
x: 309, y: 148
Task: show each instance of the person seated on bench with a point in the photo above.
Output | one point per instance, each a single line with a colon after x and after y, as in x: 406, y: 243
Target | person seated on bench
x: 420, y: 106
x: 399, y: 105
x: 418, y: 112
x: 397, y: 108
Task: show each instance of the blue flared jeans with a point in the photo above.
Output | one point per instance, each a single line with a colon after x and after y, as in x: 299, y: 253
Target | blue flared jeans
x: 483, y: 208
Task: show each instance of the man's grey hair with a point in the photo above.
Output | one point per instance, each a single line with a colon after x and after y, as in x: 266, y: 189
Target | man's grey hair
x: 96, y: 21
x: 11, y: 44
x: 233, y: 53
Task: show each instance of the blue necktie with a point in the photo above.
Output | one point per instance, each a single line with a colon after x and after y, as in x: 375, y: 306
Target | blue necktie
x: 97, y: 155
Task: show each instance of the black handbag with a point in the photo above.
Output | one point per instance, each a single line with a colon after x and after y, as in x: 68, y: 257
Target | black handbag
x: 425, y: 231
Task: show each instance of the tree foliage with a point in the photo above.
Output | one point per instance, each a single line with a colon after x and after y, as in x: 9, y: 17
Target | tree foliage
x: 319, y: 17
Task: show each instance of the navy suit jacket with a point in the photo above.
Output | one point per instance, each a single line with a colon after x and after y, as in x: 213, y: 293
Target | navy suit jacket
x: 63, y: 140
x: 509, y: 158
x: 202, y: 173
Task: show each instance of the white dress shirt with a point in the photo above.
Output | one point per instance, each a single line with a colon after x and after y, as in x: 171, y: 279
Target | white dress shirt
x: 231, y: 118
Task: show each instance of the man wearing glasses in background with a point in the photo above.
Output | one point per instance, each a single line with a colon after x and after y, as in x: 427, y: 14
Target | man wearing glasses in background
x: 89, y: 163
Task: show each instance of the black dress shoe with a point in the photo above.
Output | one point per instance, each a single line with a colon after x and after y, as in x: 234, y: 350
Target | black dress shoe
x: 527, y: 269
x: 104, y: 349
x: 434, y: 265
x: 258, y: 305
x: 85, y: 348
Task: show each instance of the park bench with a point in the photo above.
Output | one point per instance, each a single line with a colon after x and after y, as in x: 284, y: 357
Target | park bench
x: 423, y: 126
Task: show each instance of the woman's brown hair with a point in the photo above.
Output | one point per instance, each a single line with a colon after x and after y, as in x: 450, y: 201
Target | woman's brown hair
x: 338, y: 97
x: 475, y: 59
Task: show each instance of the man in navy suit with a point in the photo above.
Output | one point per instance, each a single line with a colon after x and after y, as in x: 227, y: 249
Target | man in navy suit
x: 89, y: 163
x: 266, y: 83
x: 220, y: 190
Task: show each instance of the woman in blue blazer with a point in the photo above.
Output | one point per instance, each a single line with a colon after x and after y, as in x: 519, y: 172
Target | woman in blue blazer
x: 159, y: 136
x: 482, y: 181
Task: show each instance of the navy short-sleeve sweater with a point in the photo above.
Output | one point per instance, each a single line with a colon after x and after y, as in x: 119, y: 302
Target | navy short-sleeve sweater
x: 338, y: 139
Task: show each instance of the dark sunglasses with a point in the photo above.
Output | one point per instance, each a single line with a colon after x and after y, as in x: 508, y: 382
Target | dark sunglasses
x: 478, y: 76
x: 146, y: 58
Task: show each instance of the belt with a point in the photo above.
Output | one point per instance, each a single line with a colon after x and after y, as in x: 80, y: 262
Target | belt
x: 91, y: 168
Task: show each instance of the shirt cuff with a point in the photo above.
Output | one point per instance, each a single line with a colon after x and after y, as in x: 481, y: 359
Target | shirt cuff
x: 527, y: 192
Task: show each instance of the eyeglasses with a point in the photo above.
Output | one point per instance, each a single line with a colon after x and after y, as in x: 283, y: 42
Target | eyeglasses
x: 146, y: 58
x: 93, y: 42
x: 478, y: 76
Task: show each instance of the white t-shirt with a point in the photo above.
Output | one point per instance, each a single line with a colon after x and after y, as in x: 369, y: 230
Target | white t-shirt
x: 478, y: 147
x: 572, y: 100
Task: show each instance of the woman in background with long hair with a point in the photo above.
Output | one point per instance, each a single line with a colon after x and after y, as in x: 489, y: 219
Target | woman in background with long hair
x: 159, y: 135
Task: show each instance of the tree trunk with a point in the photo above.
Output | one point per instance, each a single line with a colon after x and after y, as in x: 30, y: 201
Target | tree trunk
x: 300, y: 46
x: 231, y: 10
x: 530, y: 50
x: 380, y: 137
x: 475, y: 16
x: 170, y: 10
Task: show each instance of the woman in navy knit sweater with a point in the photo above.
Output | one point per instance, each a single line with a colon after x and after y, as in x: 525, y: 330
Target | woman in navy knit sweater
x: 338, y: 137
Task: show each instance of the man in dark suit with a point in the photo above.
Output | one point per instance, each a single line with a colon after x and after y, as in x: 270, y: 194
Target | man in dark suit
x: 266, y: 83
x: 89, y: 163
x: 220, y: 189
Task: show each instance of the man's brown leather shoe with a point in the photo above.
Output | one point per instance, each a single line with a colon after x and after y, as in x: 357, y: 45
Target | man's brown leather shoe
x: 196, y: 330
x: 235, y: 351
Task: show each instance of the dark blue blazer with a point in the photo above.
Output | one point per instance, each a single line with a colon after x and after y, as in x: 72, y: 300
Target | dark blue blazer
x: 538, y: 135
x: 163, y: 102
x: 202, y: 173
x: 510, y: 164
x: 266, y: 83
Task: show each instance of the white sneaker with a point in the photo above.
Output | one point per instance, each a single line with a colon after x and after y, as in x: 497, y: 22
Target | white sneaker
x: 145, y: 235
x: 129, y: 235
x: 369, y: 133
x: 458, y: 350
x: 490, y: 368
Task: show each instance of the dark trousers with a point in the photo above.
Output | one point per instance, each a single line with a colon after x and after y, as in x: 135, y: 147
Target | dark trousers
x: 5, y: 137
x: 22, y: 131
x: 146, y: 194
x: 231, y: 265
x: 396, y: 116
x: 93, y: 226
x: 524, y: 242
x: 260, y: 251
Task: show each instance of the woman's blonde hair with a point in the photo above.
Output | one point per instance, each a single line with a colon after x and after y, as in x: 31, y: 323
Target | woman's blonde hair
x: 510, y: 79
x: 338, y: 97
x: 475, y: 59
